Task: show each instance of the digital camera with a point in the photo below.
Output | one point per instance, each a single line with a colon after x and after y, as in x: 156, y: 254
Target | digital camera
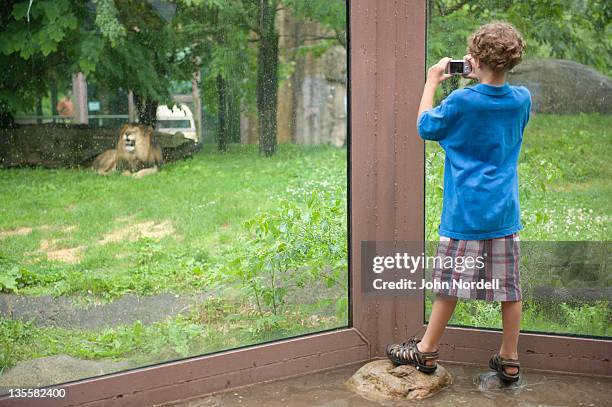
x: 458, y: 67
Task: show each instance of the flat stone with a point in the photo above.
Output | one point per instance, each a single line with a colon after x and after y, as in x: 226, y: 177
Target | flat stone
x: 381, y: 380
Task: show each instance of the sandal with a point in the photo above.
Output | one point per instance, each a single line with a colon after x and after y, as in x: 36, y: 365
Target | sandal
x: 498, y: 363
x: 407, y: 353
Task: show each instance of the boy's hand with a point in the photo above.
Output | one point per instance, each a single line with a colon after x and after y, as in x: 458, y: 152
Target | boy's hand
x: 436, y: 73
x: 471, y: 75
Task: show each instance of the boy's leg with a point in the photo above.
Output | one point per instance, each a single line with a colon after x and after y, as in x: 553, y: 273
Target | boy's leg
x: 511, y: 317
x: 441, y: 312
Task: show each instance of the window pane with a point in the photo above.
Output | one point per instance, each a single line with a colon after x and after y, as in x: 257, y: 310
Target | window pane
x: 174, y: 178
x: 564, y: 176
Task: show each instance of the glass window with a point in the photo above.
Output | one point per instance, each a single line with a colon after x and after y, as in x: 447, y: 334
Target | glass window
x: 122, y: 245
x: 564, y: 175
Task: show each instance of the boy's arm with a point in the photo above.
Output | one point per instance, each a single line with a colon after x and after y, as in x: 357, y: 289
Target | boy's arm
x: 527, y: 110
x: 435, y: 75
x: 433, y: 123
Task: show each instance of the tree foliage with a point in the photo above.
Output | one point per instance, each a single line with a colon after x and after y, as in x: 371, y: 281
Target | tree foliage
x: 149, y: 46
x: 579, y: 30
x: 35, y: 47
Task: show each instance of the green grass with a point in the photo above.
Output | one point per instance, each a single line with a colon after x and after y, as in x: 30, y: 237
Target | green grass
x: 213, y: 325
x: 566, y: 195
x: 200, y: 205
x: 567, y: 158
x: 564, y: 179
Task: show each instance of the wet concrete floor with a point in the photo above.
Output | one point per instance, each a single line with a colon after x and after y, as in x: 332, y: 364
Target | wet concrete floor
x: 327, y: 389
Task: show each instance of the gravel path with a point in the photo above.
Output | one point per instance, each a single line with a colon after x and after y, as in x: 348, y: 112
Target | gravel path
x: 48, y: 311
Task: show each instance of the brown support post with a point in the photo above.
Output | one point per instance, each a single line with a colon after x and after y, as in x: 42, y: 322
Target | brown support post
x: 387, y: 159
x: 79, y: 95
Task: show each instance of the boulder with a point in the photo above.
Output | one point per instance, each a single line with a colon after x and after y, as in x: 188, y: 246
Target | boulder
x: 57, y: 146
x: 563, y: 86
x: 381, y: 380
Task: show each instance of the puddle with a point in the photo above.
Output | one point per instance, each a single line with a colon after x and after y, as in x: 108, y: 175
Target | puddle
x: 327, y: 389
x: 489, y: 382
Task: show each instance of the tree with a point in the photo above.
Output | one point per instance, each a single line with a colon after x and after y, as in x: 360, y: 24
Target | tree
x: 36, y: 43
x: 267, y: 76
x: 328, y: 13
x: 330, y: 16
x: 140, y: 52
x: 218, y: 45
x: 236, y: 73
x: 130, y: 44
x: 260, y: 17
x: 143, y: 46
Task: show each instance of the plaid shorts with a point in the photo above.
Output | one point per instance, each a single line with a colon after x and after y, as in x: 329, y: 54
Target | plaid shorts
x: 493, y: 275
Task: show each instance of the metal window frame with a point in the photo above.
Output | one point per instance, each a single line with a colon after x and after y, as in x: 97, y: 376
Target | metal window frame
x: 386, y: 69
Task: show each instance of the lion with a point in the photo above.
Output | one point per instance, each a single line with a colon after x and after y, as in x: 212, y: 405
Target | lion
x: 135, y: 153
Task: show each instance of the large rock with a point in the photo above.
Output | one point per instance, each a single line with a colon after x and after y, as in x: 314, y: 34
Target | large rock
x: 381, y: 380
x: 56, y: 146
x: 562, y: 86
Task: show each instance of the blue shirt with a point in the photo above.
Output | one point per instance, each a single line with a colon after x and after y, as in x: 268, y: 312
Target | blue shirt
x: 481, y: 130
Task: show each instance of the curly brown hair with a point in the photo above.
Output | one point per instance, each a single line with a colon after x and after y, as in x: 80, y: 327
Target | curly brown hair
x: 497, y: 45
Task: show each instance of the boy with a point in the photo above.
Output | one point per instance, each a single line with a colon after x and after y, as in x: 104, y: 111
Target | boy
x: 481, y: 130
